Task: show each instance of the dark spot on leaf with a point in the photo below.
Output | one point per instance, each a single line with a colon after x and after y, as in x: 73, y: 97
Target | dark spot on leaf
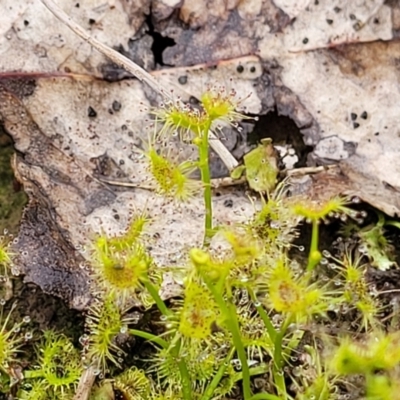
x: 228, y: 203
x: 240, y: 69
x: 329, y: 21
x: 253, y: 69
x: 356, y: 125
x: 92, y: 112
x: 353, y: 116
x: 305, y: 40
x: 183, y: 79
x: 364, y: 115
x: 352, y: 17
x: 92, y: 21
x: 346, y: 361
x: 337, y: 9
x: 26, y: 22
x: 116, y: 105
x: 193, y: 100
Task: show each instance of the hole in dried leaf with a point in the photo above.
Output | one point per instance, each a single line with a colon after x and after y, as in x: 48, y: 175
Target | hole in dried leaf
x: 283, y: 131
x: 160, y: 43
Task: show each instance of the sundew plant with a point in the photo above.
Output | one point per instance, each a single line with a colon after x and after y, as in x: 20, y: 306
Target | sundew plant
x: 245, y: 309
x: 252, y: 321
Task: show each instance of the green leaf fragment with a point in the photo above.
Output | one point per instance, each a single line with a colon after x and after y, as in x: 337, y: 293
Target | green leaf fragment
x: 261, y: 167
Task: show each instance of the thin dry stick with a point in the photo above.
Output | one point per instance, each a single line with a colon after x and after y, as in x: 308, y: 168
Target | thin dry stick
x: 215, y: 183
x: 85, y: 384
x: 137, y: 71
x: 310, y: 170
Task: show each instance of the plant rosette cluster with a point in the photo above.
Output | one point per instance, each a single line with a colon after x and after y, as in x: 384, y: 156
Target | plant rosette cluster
x: 243, y: 312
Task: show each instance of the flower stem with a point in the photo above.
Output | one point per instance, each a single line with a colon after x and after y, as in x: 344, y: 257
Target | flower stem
x: 217, y: 377
x: 233, y: 326
x: 279, y: 360
x: 265, y: 396
x: 156, y: 297
x: 186, y: 380
x: 314, y: 255
x: 264, y: 316
x: 186, y: 385
x: 206, y: 179
x: 150, y: 337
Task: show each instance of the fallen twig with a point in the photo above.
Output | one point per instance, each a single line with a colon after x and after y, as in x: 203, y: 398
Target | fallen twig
x: 85, y: 384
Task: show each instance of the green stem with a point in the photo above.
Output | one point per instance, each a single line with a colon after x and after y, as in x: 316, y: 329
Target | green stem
x: 233, y: 325
x: 156, y: 297
x: 29, y: 374
x: 206, y: 179
x: 314, y: 235
x: 266, y: 396
x: 279, y: 360
x: 313, y: 258
x: 185, y: 376
x: 209, y: 392
x: 264, y: 316
x: 393, y: 223
x: 150, y: 337
x: 186, y: 381
x: 263, y: 368
x: 254, y: 371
